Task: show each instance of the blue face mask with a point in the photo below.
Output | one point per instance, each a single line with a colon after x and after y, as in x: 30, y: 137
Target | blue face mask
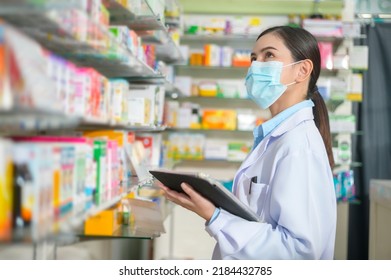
x: 263, y: 82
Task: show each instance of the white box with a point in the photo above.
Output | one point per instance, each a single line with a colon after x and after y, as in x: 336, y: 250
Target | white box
x: 215, y: 149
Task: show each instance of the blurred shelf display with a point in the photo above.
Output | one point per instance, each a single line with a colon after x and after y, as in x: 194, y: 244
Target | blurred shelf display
x: 149, y: 26
x: 81, y: 39
x: 245, y: 39
x: 211, y: 72
x: 145, y: 222
x: 176, y: 129
x: 67, y: 229
x: 19, y: 121
x: 141, y: 19
x: 209, y: 98
x: 268, y: 7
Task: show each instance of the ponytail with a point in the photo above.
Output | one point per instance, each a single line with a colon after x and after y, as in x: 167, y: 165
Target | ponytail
x: 321, y: 118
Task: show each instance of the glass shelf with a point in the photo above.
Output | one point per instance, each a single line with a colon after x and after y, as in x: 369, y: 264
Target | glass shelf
x: 32, y: 120
x: 200, y: 130
x: 350, y: 165
x: 27, y: 120
x: 201, y: 162
x: 144, y: 21
x: 143, y: 24
x: 89, y: 45
x: 220, y: 98
x: 147, y: 223
x: 353, y: 133
x: 211, y: 72
x: 242, y: 40
x: 68, y: 228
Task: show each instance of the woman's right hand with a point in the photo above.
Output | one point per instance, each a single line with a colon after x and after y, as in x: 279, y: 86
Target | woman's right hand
x: 190, y: 200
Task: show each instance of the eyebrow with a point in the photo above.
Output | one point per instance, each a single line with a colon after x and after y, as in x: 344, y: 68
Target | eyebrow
x: 264, y: 49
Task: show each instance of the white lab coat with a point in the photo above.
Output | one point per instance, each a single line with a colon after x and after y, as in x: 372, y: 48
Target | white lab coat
x: 294, y: 196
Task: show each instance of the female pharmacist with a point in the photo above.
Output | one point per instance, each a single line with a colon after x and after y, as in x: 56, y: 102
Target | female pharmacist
x: 287, y: 178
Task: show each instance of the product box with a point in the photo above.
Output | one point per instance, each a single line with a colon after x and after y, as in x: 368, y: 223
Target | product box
x: 327, y: 28
x: 219, y: 119
x: 34, y: 200
x: 119, y: 89
x: 241, y: 58
x: 3, y: 71
x: 237, y: 151
x: 104, y: 223
x: 355, y: 87
x: 212, y: 55
x: 6, y: 190
x: 246, y: 120
x: 207, y: 88
x: 100, y: 157
x: 231, y: 89
x: 139, y: 110
x: 146, y: 105
x: 183, y: 83
x: 216, y: 149
x: 152, y: 144
x: 326, y: 54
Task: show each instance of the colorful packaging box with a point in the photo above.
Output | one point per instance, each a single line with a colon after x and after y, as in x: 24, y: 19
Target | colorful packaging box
x: 104, y: 223
x: 219, y: 119
x: 6, y: 190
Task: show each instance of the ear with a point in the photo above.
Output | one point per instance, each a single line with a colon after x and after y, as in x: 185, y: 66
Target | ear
x: 305, y: 70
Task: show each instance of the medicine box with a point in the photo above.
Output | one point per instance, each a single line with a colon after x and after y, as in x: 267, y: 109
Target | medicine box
x: 104, y: 223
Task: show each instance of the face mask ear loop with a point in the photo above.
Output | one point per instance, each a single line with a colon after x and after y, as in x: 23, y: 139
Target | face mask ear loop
x: 293, y: 63
x: 294, y: 82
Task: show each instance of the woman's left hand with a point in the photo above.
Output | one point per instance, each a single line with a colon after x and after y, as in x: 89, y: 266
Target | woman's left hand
x: 190, y: 200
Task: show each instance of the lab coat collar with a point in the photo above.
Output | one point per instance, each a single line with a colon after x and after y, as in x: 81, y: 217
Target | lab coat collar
x: 287, y: 125
x: 304, y: 114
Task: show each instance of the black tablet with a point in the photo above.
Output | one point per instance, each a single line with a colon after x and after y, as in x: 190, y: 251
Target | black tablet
x: 209, y: 188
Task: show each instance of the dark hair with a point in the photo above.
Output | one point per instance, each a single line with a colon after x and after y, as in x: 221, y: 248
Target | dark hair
x: 303, y: 45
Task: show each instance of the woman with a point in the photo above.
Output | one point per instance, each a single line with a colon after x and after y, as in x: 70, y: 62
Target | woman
x: 287, y: 178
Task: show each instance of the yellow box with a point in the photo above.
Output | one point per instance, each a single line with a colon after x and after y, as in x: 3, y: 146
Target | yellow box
x: 104, y: 223
x: 219, y: 119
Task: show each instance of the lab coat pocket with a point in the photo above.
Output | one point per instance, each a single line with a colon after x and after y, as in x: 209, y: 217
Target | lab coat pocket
x: 257, y: 194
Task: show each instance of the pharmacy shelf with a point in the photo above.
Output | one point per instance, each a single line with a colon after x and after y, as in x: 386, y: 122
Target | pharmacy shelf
x: 19, y: 121
x: 267, y: 7
x: 353, y: 164
x: 146, y: 224
x: 209, y: 98
x: 209, y: 130
x: 225, y: 72
x: 68, y: 229
x: 91, y: 45
x: 201, y: 163
x: 120, y: 15
x: 28, y: 120
x: 243, y: 39
x: 147, y: 25
x: 94, y: 125
x: 211, y: 71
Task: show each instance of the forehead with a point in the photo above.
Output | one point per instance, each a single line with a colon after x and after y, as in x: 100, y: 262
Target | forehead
x: 270, y: 40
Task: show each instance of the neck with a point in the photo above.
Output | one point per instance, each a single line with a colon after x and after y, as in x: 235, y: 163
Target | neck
x: 285, y: 101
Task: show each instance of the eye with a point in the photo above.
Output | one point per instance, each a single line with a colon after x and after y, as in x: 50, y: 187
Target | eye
x: 253, y: 58
x: 269, y: 55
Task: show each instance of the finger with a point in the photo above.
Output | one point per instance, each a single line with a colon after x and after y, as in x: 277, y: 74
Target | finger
x: 162, y: 186
x: 190, y: 191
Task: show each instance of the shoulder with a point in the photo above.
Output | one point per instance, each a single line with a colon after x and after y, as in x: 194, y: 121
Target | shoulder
x: 303, y: 138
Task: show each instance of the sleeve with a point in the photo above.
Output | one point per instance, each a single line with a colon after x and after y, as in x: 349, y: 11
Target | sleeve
x: 303, y: 211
